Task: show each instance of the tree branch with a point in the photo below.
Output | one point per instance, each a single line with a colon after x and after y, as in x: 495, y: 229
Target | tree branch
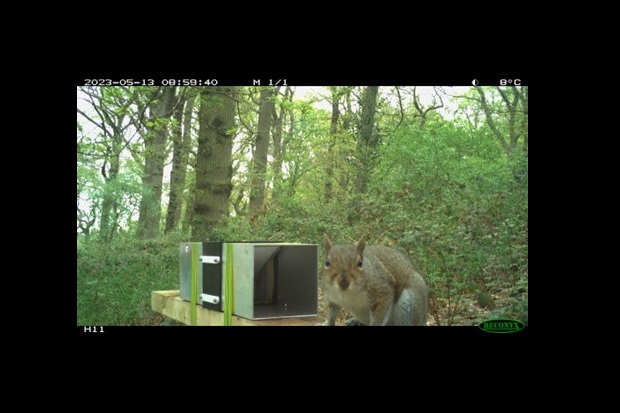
x: 415, y: 102
x: 402, y: 111
x: 100, y: 126
x: 241, y: 119
x: 490, y: 122
x: 512, y: 111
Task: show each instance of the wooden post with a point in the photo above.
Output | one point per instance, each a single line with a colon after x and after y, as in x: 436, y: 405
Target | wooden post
x: 170, y: 304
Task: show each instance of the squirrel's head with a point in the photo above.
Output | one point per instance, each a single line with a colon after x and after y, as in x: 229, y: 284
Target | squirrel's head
x: 344, y: 264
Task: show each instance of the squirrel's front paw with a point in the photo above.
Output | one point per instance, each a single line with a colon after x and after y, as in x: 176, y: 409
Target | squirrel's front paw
x: 353, y: 322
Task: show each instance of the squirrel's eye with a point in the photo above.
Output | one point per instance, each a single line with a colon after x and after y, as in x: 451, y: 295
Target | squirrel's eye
x: 360, y: 263
x: 327, y: 263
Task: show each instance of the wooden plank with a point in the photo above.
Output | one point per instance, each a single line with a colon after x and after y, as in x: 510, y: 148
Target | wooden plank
x: 170, y: 304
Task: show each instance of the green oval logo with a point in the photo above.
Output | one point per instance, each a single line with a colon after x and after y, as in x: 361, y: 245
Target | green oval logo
x: 502, y: 325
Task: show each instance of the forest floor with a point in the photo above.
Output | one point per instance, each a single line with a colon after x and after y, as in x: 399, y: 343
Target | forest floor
x: 466, y: 312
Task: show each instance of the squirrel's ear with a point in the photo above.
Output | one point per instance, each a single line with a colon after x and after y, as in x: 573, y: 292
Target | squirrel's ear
x: 327, y: 243
x: 361, y: 244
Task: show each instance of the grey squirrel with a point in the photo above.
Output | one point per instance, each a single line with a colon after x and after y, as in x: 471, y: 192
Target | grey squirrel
x: 377, y: 285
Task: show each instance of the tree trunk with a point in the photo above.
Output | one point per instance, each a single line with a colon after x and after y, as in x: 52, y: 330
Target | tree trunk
x: 154, y: 158
x: 174, y: 194
x: 524, y: 120
x: 333, y: 129
x: 348, y: 113
x: 179, y: 165
x: 214, y: 159
x: 109, y: 203
x: 186, y: 226
x: 511, y: 105
x: 277, y: 137
x: 511, y: 98
x: 347, y: 169
x: 259, y: 156
x: 368, y: 140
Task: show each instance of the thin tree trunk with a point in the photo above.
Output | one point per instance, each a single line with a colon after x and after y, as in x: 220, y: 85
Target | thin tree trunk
x: 346, y: 117
x: 259, y: 157
x: 513, y: 133
x: 333, y: 129
x: 109, y: 203
x: 513, y: 98
x: 189, y: 208
x: 368, y: 140
x: 214, y: 159
x: 524, y: 120
x: 490, y: 121
x: 277, y: 138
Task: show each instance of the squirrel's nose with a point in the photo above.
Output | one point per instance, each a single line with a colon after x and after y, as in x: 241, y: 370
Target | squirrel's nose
x: 343, y: 282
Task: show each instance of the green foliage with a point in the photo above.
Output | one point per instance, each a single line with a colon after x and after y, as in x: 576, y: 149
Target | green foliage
x: 126, y: 189
x: 449, y: 197
x: 115, y: 280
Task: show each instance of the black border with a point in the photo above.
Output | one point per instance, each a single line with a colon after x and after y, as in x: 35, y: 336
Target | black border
x: 276, y: 78
x: 301, y: 334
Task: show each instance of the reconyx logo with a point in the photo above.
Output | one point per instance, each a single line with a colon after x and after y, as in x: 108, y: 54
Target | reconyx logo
x: 503, y: 325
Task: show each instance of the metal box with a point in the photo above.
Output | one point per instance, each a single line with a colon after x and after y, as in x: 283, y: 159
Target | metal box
x: 267, y: 280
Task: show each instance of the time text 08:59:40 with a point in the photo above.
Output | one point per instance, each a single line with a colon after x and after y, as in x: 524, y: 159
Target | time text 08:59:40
x: 150, y: 82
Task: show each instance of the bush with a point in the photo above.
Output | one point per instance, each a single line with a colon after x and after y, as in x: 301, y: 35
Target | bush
x: 115, y: 280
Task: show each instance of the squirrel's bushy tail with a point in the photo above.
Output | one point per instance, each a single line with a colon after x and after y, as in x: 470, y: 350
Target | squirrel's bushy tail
x: 410, y: 309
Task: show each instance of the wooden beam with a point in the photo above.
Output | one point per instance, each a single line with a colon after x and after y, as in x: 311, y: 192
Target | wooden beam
x: 171, y: 305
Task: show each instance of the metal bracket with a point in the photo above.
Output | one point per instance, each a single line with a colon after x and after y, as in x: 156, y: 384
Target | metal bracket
x: 209, y: 259
x: 213, y: 299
